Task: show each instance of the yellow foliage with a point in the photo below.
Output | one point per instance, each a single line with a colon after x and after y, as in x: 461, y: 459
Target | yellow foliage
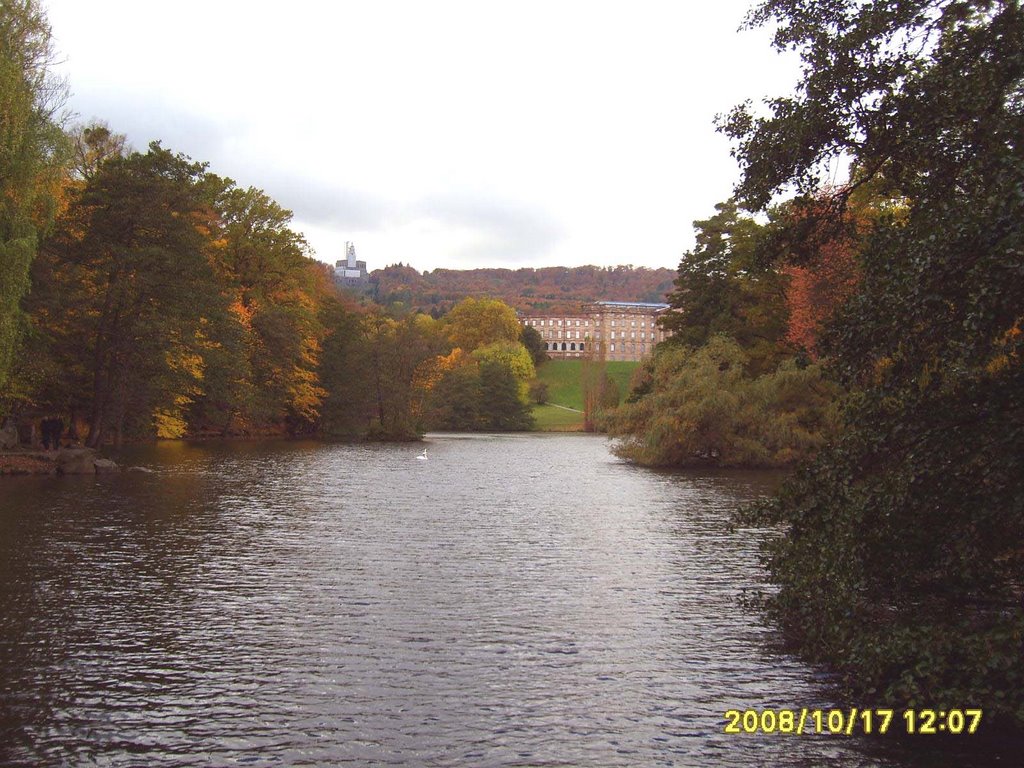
x: 305, y: 393
x: 997, y: 364
x: 431, y: 371
x: 169, y: 424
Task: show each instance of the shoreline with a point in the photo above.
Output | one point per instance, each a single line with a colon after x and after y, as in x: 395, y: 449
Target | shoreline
x: 60, y: 461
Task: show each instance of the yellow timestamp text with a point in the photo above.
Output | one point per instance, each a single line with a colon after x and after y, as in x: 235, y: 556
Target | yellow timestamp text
x: 852, y: 721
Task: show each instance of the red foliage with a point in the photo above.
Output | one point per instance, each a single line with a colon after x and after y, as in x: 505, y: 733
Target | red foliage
x: 818, y: 288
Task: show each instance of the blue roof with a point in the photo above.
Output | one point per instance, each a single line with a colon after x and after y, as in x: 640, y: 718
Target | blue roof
x: 646, y: 305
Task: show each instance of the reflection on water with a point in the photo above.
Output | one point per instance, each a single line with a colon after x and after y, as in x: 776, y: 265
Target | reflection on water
x: 514, y: 600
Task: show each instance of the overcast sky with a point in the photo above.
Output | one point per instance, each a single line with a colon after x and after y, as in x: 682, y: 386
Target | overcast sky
x: 436, y: 133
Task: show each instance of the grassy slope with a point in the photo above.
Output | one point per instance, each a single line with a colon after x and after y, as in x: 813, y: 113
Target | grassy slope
x: 549, y: 418
x: 563, y: 380
x: 621, y: 371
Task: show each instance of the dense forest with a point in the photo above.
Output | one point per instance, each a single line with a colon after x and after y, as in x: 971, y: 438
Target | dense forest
x: 554, y: 289
x: 875, y: 330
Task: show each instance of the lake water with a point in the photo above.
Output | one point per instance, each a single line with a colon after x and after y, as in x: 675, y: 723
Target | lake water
x: 512, y: 601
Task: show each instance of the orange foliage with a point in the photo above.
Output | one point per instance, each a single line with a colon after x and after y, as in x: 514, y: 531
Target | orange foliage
x: 431, y: 371
x: 819, y: 287
x: 816, y: 292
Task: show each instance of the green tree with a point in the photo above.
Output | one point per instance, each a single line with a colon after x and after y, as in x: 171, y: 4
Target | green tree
x: 723, y: 287
x: 531, y: 339
x: 265, y: 268
x: 501, y: 402
x: 905, y: 539
x: 702, y: 407
x: 393, y: 352
x: 349, y: 408
x: 32, y: 148
x: 132, y: 270
x: 474, y: 323
x: 455, y: 403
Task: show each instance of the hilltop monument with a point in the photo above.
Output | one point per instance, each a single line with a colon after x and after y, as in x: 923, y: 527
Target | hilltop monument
x: 350, y: 273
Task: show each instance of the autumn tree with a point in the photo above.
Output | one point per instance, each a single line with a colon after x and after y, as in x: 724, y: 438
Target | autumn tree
x: 599, y: 391
x: 905, y: 539
x: 272, y: 285
x: 91, y: 146
x: 473, y: 323
x: 137, y: 277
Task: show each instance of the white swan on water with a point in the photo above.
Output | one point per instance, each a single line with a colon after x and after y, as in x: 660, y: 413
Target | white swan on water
x: 423, y: 456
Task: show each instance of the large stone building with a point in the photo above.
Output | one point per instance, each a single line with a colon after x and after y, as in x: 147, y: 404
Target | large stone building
x: 350, y: 273
x: 626, y: 330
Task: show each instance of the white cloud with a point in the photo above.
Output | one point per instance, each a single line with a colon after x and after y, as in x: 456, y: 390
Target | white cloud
x: 443, y: 133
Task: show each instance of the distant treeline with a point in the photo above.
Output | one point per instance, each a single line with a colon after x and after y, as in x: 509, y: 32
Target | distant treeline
x: 554, y: 289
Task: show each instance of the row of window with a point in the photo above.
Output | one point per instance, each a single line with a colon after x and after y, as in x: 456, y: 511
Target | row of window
x: 586, y: 323
x: 572, y: 346
x: 597, y: 335
x: 579, y: 323
x: 554, y: 346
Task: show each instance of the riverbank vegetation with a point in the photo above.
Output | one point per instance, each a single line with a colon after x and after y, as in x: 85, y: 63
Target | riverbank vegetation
x: 903, y: 552
x: 739, y: 382
x: 872, y: 331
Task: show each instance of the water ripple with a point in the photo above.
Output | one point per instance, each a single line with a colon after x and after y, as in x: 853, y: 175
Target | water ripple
x: 514, y: 601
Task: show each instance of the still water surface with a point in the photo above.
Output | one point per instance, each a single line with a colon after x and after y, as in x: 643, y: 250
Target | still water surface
x: 512, y: 601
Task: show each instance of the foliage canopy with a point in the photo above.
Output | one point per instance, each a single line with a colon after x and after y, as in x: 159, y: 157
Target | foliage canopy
x: 905, y: 538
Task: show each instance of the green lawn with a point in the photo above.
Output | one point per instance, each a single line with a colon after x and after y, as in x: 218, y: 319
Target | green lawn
x: 621, y: 371
x: 563, y: 380
x: 550, y: 418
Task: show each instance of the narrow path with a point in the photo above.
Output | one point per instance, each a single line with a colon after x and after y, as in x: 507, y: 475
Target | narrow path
x: 565, y: 408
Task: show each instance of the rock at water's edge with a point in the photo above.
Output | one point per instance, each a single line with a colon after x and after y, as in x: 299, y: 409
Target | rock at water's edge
x: 8, y: 437
x: 76, y: 461
x: 105, y: 466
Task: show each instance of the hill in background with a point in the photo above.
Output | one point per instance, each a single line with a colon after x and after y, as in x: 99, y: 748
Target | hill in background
x: 554, y: 289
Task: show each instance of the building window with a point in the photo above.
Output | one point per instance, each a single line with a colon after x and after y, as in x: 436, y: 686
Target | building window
x: 563, y: 346
x: 573, y: 346
x: 613, y: 347
x: 581, y: 346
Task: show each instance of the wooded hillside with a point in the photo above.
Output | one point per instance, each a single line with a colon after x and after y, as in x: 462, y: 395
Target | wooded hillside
x: 548, y: 288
